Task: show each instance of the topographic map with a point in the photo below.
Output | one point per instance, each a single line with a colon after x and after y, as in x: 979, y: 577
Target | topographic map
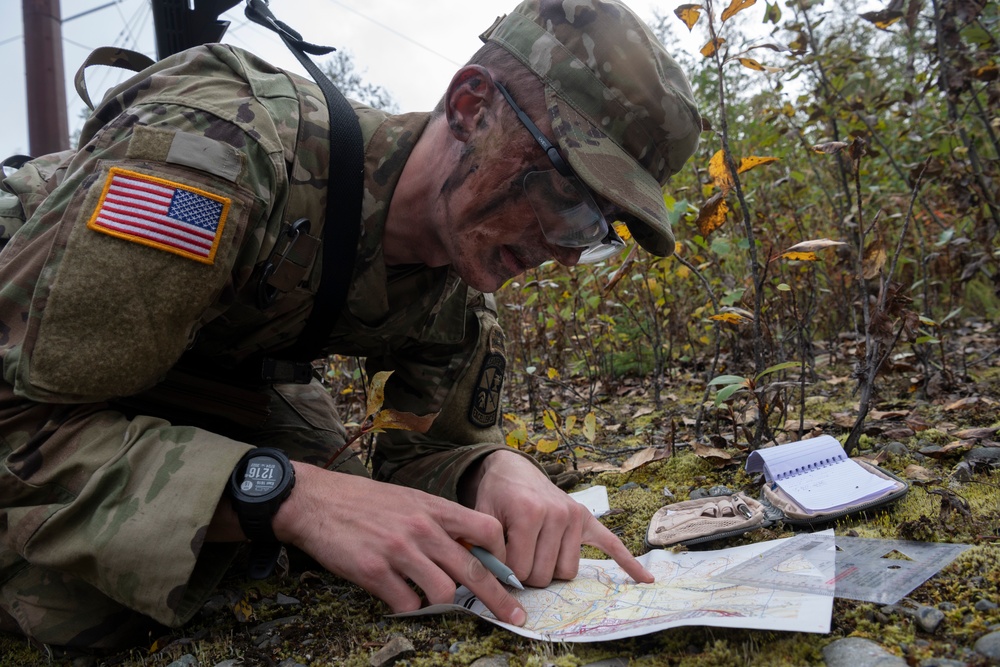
x: 604, y: 603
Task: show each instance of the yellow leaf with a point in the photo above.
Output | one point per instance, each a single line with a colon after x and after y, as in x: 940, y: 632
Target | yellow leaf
x: 678, y: 248
x: 623, y: 231
x: 376, y: 392
x: 689, y: 14
x: 730, y: 318
x: 713, y: 214
x: 243, y: 610
x: 404, y: 421
x: 346, y: 390
x: 547, y: 446
x: 517, y: 437
x: 570, y: 423
x: 713, y: 45
x: 590, y: 427
x: 735, y: 7
x: 748, y: 163
x: 801, y: 256
x: 719, y: 172
x: 552, y: 373
x: 750, y: 63
x: 882, y: 19
x: 550, y: 419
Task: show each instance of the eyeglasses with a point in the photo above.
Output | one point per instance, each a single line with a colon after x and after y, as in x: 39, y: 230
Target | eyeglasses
x: 566, y: 211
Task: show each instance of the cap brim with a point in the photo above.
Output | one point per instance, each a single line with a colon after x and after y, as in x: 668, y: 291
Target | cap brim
x: 609, y: 170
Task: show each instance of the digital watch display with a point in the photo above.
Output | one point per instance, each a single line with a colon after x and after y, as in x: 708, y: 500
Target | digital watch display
x: 261, y: 481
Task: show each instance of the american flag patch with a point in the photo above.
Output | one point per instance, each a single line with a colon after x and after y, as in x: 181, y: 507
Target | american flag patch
x: 161, y: 214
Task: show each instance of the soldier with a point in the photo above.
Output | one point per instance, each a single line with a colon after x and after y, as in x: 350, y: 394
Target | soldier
x: 137, y: 288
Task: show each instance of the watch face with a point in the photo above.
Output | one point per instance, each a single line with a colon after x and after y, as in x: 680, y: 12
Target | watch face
x: 262, y: 476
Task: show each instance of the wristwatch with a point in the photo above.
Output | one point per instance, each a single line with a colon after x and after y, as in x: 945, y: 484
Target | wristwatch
x: 260, y: 482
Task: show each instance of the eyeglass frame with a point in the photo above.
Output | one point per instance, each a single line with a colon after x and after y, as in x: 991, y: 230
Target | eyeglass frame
x: 562, y: 167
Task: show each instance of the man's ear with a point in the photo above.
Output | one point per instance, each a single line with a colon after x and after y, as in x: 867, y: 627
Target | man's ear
x: 469, y: 96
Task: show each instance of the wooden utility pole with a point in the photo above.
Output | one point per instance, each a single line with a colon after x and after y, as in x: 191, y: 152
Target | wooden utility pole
x: 48, y: 128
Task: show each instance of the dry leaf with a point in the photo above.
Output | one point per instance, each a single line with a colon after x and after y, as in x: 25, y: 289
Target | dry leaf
x: 748, y: 163
x: 407, y: 421
x: 376, y: 392
x: 975, y: 433
x: 735, y: 7
x: 689, y: 14
x: 888, y: 414
x: 717, y: 457
x: 642, y: 412
x: 647, y: 455
x: 874, y: 259
x: 713, y: 45
x: 719, y: 172
x: 920, y: 473
x: 964, y: 403
x: 814, y: 245
x: 596, y: 466
x: 713, y: 214
x: 830, y: 147
x: 882, y: 19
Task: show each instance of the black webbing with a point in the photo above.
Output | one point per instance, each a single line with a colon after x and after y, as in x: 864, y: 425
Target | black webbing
x: 344, y: 191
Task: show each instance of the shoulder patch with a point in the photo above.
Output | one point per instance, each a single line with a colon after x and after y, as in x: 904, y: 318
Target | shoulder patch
x: 485, y: 407
x: 158, y: 213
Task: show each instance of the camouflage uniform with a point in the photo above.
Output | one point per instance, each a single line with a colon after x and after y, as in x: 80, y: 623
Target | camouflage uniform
x: 105, y: 508
x: 110, y: 482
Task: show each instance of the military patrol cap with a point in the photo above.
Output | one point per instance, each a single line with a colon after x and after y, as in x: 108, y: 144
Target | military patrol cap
x: 622, y: 110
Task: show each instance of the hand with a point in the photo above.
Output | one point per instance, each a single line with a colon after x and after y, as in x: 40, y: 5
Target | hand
x: 545, y: 527
x: 381, y: 535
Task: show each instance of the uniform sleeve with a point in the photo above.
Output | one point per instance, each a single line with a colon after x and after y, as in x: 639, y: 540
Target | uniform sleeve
x: 465, y: 383
x: 144, y: 240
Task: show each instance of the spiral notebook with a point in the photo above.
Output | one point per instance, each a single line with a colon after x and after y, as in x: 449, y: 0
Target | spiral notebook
x: 817, y: 474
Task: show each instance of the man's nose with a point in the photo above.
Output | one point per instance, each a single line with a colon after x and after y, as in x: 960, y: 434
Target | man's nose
x: 566, y: 256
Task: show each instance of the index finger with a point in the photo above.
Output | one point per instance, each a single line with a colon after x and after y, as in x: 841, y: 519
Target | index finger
x: 478, y: 579
x: 597, y: 535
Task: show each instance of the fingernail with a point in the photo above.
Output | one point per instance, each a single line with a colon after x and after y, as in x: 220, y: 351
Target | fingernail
x: 518, y: 617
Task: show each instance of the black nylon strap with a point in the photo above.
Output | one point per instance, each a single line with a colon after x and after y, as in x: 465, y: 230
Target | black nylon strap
x: 345, y: 189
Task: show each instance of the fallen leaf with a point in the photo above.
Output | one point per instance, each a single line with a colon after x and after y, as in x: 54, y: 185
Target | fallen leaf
x: 951, y: 449
x: 642, y: 412
x: 975, y: 433
x: 888, y: 414
x: 964, y: 403
x: 596, y: 466
x: 243, y: 610
x: 643, y: 457
x: 844, y: 419
x: 913, y: 471
x: 717, y: 457
x: 917, y: 423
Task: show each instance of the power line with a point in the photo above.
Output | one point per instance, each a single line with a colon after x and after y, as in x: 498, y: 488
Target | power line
x: 397, y: 33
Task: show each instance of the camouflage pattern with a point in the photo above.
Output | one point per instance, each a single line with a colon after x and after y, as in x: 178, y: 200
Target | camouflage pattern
x: 621, y: 108
x: 106, y: 502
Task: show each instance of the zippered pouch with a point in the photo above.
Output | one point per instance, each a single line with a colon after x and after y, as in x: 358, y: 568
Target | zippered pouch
x: 793, y: 514
x: 703, y: 520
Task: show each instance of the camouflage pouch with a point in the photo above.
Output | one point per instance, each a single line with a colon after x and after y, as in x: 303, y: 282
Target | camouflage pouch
x: 703, y: 520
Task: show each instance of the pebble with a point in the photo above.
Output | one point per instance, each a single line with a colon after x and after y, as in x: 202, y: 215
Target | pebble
x: 188, y: 660
x: 398, y: 648
x: 232, y: 662
x: 859, y: 652
x: 628, y: 486
x: 610, y: 662
x: 985, y: 605
x: 499, y: 660
x: 290, y: 662
x: 943, y: 662
x: 276, y: 623
x: 928, y: 618
x: 896, y: 448
x: 988, y: 646
x: 286, y: 600
x: 962, y: 472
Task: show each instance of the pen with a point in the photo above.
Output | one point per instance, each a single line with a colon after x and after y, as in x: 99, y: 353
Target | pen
x: 493, y: 564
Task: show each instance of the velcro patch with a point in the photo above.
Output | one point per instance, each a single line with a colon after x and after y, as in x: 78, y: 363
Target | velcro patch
x: 485, y: 407
x: 158, y: 213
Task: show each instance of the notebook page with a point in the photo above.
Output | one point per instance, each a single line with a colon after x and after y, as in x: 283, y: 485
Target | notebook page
x: 795, y: 457
x: 829, y: 487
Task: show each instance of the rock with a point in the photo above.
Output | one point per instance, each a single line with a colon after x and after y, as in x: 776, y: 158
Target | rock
x: 929, y: 618
x: 989, y: 647
x: 696, y: 494
x: 500, y: 660
x: 720, y: 491
x: 962, y: 473
x: 398, y: 648
x: 628, y: 486
x: 610, y: 662
x: 286, y: 600
x: 942, y: 662
x: 188, y: 660
x: 896, y: 448
x: 985, y: 605
x: 859, y: 652
x: 947, y: 606
x: 456, y: 647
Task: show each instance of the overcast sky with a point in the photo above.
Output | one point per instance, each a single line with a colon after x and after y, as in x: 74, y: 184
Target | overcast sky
x: 409, y: 47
